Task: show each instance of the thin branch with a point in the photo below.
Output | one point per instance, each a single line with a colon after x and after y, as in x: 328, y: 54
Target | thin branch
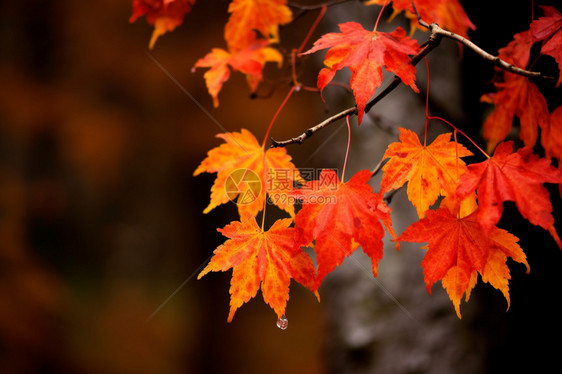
x: 437, y: 33
x: 436, y: 30
x: 308, y: 133
x: 379, y: 166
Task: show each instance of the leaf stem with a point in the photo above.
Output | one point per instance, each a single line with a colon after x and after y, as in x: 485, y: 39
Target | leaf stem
x: 277, y: 115
x: 426, y: 102
x: 295, y: 52
x: 379, y: 16
x: 347, y: 150
x: 312, y: 28
x: 460, y: 132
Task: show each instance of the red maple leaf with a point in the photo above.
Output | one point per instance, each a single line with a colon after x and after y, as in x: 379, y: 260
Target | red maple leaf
x: 266, y: 259
x: 548, y: 29
x: 340, y: 217
x: 458, y: 249
x: 452, y: 242
x: 364, y: 53
x: 516, y: 96
x: 448, y: 14
x: 165, y: 15
x: 516, y: 177
x: 517, y: 51
x: 551, y: 137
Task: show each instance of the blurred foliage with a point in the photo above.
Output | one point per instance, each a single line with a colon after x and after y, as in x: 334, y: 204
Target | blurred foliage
x: 100, y: 217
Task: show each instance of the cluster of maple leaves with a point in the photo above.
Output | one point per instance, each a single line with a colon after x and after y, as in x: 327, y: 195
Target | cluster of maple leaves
x: 459, y: 205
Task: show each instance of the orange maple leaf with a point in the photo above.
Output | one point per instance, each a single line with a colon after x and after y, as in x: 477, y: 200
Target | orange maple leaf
x: 247, y: 172
x: 516, y: 177
x: 430, y: 171
x: 165, y: 15
x: 458, y: 249
x: 364, y: 53
x: 340, y: 217
x: 266, y: 259
x: 249, y: 16
x: 548, y: 29
x: 448, y: 14
x: 249, y: 61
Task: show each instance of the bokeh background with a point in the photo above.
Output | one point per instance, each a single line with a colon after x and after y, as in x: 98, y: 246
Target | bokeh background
x: 101, y: 224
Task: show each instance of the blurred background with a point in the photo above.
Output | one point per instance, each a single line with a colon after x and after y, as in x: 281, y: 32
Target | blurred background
x: 101, y: 224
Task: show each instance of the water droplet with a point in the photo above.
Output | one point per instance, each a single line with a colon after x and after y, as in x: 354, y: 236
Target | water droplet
x: 283, y: 322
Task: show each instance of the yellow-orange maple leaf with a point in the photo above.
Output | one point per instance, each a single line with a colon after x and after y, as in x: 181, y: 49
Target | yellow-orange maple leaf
x: 430, y: 171
x: 249, y: 16
x: 261, y: 258
x: 247, y: 171
x: 249, y: 61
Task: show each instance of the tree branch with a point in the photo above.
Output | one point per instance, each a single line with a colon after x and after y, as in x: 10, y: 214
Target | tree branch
x: 436, y: 30
x: 308, y: 133
x: 437, y: 33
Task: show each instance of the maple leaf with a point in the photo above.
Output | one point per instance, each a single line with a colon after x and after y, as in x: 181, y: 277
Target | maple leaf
x: 516, y: 96
x: 551, y: 136
x: 518, y: 50
x: 249, y: 61
x: 240, y: 158
x: 165, y: 15
x: 548, y: 29
x: 249, y: 16
x: 340, y: 217
x: 458, y: 249
x: 448, y: 14
x: 266, y: 259
x: 430, y: 171
x: 364, y: 53
x: 516, y: 177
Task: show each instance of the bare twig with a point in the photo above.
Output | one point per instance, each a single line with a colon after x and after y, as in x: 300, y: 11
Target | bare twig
x: 436, y: 30
x: 379, y: 166
x: 308, y: 133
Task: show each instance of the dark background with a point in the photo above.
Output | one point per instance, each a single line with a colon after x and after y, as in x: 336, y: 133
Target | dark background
x: 101, y: 219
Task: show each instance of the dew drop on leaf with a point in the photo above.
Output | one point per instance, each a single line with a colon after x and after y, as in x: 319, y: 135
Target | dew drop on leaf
x: 283, y: 322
